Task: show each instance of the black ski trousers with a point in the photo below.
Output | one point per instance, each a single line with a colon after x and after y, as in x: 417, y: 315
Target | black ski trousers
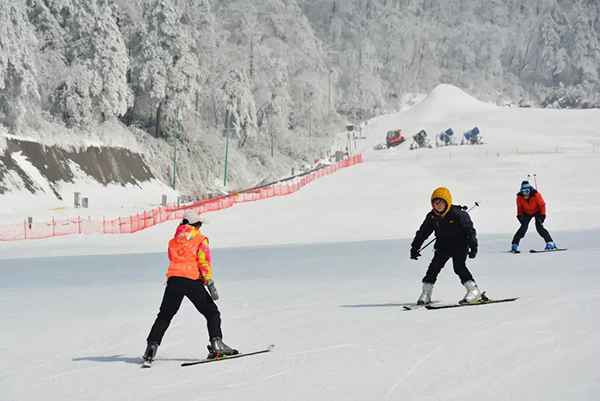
x: 177, y: 288
x: 441, y: 256
x: 539, y: 226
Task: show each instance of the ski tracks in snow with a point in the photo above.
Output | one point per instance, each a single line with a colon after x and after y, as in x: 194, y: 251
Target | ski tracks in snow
x: 465, y: 332
x: 269, y: 310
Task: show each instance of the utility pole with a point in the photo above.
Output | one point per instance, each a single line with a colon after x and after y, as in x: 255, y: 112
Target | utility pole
x: 273, y: 96
x: 329, y: 92
x: 531, y: 93
x: 175, y: 148
x: 226, y: 147
x: 309, y: 114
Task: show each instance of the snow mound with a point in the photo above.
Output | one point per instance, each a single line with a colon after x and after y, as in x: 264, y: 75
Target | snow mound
x: 446, y: 102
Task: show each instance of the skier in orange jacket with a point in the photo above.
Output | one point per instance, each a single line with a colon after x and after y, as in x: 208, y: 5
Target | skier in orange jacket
x: 530, y: 204
x: 189, y: 272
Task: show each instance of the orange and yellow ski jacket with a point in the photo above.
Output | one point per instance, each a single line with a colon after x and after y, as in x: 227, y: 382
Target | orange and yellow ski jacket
x: 189, y: 254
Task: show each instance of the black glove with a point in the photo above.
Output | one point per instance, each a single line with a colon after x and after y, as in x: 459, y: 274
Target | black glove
x: 520, y: 218
x: 414, y: 253
x: 212, y: 289
x: 472, y: 253
x: 542, y: 218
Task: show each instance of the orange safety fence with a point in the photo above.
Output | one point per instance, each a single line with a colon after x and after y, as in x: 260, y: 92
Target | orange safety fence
x: 141, y: 221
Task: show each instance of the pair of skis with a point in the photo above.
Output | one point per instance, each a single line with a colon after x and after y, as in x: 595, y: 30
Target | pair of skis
x: 148, y: 364
x: 431, y: 305
x: 437, y: 305
x: 542, y: 251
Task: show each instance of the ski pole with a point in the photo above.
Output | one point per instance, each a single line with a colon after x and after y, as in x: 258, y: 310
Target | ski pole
x: 535, y: 178
x: 429, y: 243
x: 474, y: 206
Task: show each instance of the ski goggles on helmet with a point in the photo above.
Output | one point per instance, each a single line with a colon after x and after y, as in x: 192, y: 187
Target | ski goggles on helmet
x: 525, y: 191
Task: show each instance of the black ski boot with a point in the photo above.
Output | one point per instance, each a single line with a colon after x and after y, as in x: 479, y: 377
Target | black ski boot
x: 218, y: 348
x: 150, y: 351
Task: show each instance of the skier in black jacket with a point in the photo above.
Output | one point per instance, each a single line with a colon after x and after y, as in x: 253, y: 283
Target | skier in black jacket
x: 455, y: 238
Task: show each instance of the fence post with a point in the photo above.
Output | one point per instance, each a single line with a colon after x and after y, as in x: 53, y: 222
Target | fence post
x: 53, y: 227
x: 79, y: 224
x: 103, y: 224
x: 25, y: 229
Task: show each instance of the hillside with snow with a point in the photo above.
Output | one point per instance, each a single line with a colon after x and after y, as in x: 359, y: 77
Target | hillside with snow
x: 323, y: 273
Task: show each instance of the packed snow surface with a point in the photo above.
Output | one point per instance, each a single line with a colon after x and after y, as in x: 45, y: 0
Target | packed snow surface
x: 323, y: 275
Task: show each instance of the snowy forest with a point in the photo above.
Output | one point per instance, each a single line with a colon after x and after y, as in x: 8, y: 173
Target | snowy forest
x: 281, y: 76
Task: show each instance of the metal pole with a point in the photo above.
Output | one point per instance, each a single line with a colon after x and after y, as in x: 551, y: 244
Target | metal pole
x: 531, y: 91
x: 175, y: 148
x: 329, y: 92
x: 226, y: 148
x: 309, y: 116
x: 272, y: 144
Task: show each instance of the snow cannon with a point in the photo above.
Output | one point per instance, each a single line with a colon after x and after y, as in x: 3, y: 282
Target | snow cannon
x: 420, y: 140
x: 446, y: 138
x: 471, y: 137
x: 394, y: 138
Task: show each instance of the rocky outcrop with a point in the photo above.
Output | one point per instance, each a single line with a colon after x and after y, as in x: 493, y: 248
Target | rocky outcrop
x: 106, y: 165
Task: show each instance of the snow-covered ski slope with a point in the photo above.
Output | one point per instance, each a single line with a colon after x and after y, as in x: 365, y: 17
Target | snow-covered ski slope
x: 322, y: 274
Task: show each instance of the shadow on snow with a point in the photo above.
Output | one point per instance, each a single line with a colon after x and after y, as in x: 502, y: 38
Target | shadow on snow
x: 125, y: 359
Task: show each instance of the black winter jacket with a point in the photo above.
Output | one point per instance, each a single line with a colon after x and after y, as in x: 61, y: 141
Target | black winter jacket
x: 453, y: 232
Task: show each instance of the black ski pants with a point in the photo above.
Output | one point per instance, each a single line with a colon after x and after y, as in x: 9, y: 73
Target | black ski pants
x: 177, y: 288
x: 441, y: 256
x: 539, y: 226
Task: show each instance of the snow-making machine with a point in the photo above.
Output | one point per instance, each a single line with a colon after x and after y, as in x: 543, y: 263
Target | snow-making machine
x: 445, y: 138
x: 471, y: 137
x: 420, y: 140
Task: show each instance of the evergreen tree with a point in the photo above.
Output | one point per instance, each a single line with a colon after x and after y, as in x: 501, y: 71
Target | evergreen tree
x: 166, y: 63
x: 554, y: 55
x: 96, y: 85
x: 585, y: 50
x: 240, y: 107
x: 18, y: 72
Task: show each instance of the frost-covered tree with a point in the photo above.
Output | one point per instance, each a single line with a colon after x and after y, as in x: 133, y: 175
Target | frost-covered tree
x: 363, y: 92
x: 585, y: 49
x: 166, y: 64
x: 199, y: 17
x: 95, y: 87
x: 240, y: 107
x: 112, y: 95
x: 271, y: 90
x: 18, y: 72
x: 554, y: 56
